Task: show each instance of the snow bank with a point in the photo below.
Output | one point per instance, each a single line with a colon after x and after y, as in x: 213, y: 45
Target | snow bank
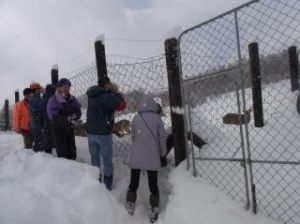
x: 174, y: 32
x: 38, y: 188
x: 100, y: 37
x: 194, y: 201
x: 55, y: 67
x: 8, y: 141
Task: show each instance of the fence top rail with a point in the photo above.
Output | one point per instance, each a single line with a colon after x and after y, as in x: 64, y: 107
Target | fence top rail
x: 217, y: 17
x: 206, y: 76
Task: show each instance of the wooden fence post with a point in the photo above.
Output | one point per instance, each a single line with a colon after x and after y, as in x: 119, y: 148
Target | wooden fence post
x: 54, y: 75
x: 17, y: 96
x: 100, y: 58
x: 6, y: 115
x: 256, y: 85
x: 176, y: 104
x: 294, y: 67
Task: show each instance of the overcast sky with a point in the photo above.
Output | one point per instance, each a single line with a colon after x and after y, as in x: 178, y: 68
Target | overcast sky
x: 35, y: 34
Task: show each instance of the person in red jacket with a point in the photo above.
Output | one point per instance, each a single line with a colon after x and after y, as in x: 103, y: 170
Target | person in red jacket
x: 21, y: 118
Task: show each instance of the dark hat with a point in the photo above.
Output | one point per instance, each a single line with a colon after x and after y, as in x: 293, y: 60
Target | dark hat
x: 63, y: 82
x: 50, y: 90
x: 27, y: 91
x: 103, y: 81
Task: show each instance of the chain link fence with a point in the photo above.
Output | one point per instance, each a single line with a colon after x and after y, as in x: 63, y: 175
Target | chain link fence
x: 246, y: 161
x: 135, y: 78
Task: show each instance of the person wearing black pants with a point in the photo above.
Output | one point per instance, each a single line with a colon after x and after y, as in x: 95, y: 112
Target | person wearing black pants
x: 148, y: 146
x: 47, y: 143
x: 152, y: 182
x: 63, y: 111
x: 153, y: 187
x: 65, y: 143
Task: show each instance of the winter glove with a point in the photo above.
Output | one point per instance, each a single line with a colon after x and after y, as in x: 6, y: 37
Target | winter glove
x: 74, y: 119
x: 163, y: 161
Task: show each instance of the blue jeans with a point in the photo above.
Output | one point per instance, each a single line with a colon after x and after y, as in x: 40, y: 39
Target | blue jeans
x: 101, y: 146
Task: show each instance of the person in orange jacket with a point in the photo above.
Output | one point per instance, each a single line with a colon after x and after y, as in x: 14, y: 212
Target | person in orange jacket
x: 21, y: 118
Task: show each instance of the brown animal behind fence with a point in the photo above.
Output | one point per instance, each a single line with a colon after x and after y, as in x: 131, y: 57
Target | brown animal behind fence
x: 233, y: 118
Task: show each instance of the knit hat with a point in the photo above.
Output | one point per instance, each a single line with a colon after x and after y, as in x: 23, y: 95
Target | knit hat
x: 35, y: 86
x: 63, y: 82
x: 49, y: 90
x: 27, y: 91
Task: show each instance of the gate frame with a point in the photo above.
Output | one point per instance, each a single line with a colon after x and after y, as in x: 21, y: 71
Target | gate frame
x: 188, y: 119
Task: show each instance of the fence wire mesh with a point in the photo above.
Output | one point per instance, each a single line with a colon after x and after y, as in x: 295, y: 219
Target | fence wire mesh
x: 213, y: 55
x: 135, y: 78
x: 223, y: 156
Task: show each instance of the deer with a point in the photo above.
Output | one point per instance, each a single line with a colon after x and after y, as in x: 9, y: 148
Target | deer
x: 232, y: 118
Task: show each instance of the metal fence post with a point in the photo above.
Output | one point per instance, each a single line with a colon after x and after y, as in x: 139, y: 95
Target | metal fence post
x: 256, y: 84
x: 100, y: 59
x: 294, y: 67
x: 191, y: 129
x: 246, y: 135
x: 17, y: 96
x: 176, y: 105
x: 54, y: 75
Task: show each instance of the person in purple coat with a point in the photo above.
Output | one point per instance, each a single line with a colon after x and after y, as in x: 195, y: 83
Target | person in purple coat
x: 148, y: 145
x: 63, y: 111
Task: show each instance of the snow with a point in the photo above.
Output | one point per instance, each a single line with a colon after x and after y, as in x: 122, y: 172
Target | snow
x: 100, y: 37
x: 51, y: 190
x: 194, y: 201
x: 39, y: 188
x: 178, y: 110
x: 174, y: 32
x: 276, y: 185
x: 55, y: 67
x: 158, y: 100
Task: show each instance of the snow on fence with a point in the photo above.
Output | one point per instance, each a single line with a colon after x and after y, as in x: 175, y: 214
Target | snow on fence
x: 247, y: 58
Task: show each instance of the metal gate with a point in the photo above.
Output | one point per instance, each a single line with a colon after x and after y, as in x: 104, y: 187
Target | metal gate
x: 257, y: 166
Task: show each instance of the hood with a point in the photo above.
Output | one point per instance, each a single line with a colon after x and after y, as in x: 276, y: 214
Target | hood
x: 148, y: 105
x: 95, y: 91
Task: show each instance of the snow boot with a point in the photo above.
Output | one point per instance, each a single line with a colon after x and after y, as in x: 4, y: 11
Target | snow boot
x: 108, y: 181
x: 154, y: 203
x: 100, y: 178
x: 130, y: 202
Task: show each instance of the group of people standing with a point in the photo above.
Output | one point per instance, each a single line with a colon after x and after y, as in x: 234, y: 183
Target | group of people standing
x: 43, y: 118
x: 47, y: 122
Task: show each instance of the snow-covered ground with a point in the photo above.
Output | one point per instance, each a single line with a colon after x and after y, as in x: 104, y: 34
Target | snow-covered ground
x: 40, y: 188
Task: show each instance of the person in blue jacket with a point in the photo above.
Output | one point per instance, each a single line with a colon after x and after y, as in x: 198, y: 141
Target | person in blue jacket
x: 103, y: 101
x: 48, y: 142
x: 36, y: 119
